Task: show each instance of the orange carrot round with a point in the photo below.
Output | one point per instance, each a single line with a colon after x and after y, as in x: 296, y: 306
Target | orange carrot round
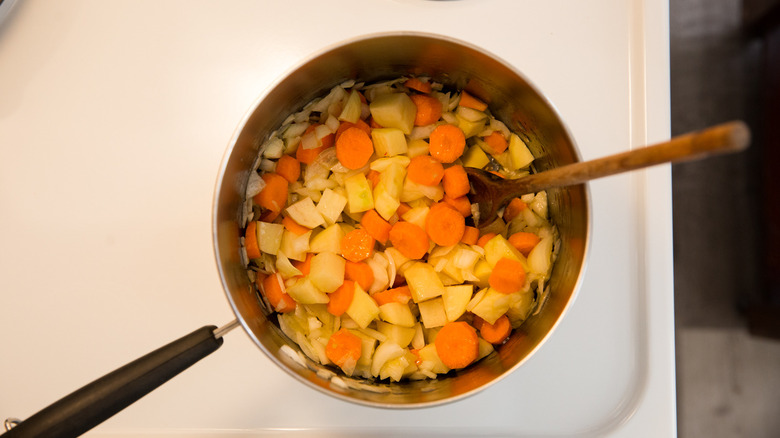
x: 344, y: 349
x: 470, y: 236
x: 294, y: 227
x: 496, y: 142
x: 360, y: 273
x: 274, y: 195
x: 515, y: 206
x: 461, y: 204
x: 497, y: 332
x: 425, y: 170
x: 400, y: 294
x: 346, y: 125
x: 289, y: 168
x: 457, y: 344
x: 272, y: 289
x: 354, y: 148
x: 376, y: 226
x: 418, y: 85
x: 447, y: 143
x: 250, y: 241
x: 472, y: 102
x: 409, y: 239
x: 307, y: 156
x: 357, y: 245
x: 444, y: 225
x: 341, y: 298
x: 485, y: 239
x: 304, y: 266
x: 524, y: 242
x: 428, y: 109
x: 455, y: 181
x: 507, y: 276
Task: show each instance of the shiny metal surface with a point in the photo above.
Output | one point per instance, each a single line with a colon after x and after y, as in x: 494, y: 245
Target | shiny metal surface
x: 511, y: 98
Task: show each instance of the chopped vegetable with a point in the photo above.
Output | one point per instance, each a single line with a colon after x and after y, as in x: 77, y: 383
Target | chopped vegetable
x: 409, y: 239
x: 423, y: 169
x: 354, y: 148
x: 359, y: 231
x: 445, y: 225
x: 447, y: 143
x: 456, y: 182
x: 457, y: 344
x: 357, y: 245
x: 469, y: 101
x: 360, y: 273
x: 428, y: 109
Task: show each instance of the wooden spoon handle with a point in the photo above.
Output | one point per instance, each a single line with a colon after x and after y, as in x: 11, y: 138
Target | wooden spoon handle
x: 725, y: 138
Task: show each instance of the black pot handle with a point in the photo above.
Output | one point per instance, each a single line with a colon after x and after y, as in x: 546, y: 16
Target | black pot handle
x: 94, y: 403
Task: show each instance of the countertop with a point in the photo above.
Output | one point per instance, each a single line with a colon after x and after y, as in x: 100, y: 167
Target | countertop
x: 114, y: 117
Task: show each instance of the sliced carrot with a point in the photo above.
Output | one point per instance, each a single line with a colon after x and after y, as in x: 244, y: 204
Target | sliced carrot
x: 357, y: 245
x: 346, y: 125
x: 461, y: 204
x: 344, y: 349
x: 470, y: 236
x: 496, y: 142
x: 455, y: 181
x: 250, y: 241
x: 400, y: 294
x: 497, y: 332
x: 354, y: 148
x: 304, y: 266
x: 470, y: 101
x: 524, y: 242
x: 515, y: 206
x: 425, y: 170
x: 403, y: 208
x: 341, y: 298
x: 447, y: 143
x: 289, y: 168
x: 360, y: 273
x: 445, y: 225
x: 485, y: 238
x: 457, y: 344
x: 507, y: 276
x: 274, y: 195
x: 294, y: 227
x: 418, y: 85
x: 376, y: 226
x: 428, y: 109
x: 272, y: 289
x: 409, y: 239
x: 307, y: 156
x: 373, y: 177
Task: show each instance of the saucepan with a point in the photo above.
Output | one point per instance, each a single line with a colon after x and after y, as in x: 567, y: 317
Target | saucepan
x: 511, y: 98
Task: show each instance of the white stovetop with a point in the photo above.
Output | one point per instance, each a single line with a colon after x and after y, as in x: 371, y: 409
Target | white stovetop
x: 113, y: 120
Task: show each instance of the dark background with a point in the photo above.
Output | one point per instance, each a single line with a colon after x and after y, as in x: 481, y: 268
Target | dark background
x: 725, y: 65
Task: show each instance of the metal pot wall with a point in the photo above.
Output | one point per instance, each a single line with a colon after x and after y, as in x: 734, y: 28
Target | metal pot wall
x: 512, y: 99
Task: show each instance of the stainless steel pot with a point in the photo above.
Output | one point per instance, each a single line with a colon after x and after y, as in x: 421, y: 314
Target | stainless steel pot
x: 511, y: 99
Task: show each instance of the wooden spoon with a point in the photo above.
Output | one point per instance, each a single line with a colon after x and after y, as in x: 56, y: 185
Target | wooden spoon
x: 491, y: 192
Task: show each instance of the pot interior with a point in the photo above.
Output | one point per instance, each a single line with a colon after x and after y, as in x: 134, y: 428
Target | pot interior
x: 511, y: 98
